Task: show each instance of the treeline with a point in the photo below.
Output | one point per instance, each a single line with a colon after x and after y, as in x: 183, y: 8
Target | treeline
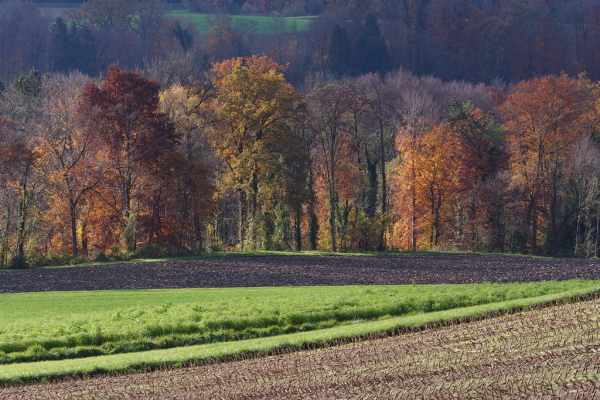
x: 471, y: 40
x: 240, y: 159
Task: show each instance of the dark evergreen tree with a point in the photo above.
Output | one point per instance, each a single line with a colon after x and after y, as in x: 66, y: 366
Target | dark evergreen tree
x: 183, y: 36
x: 340, y: 52
x: 30, y: 84
x: 73, y: 47
x: 61, y: 47
x: 371, y: 53
x: 86, y: 49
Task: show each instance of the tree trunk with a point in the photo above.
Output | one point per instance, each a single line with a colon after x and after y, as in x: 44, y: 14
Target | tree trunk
x: 597, y: 230
x: 382, y: 243
x: 332, y: 209
x: 19, y: 261
x: 197, y: 233
x: 73, y: 214
x: 313, y: 223
x: 332, y: 197
x: 242, y: 215
x: 129, y: 231
x: 4, y: 243
x: 297, y: 232
x: 413, y: 218
x: 84, y: 237
x: 253, y: 210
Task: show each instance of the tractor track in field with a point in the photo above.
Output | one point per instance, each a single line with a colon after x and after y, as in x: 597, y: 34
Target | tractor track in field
x: 299, y: 270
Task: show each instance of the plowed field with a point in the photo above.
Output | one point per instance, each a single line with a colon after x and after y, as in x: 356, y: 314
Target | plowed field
x: 299, y: 271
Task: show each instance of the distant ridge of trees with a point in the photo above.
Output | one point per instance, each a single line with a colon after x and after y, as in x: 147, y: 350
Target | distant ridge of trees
x: 471, y: 40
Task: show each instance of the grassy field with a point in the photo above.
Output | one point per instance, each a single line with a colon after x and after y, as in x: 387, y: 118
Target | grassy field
x: 123, y: 327
x: 244, y: 23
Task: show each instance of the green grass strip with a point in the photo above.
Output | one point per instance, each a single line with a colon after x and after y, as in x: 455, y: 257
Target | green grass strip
x: 24, y: 372
x: 48, y: 326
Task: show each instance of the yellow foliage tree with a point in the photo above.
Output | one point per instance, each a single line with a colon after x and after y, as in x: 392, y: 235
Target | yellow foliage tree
x: 255, y: 110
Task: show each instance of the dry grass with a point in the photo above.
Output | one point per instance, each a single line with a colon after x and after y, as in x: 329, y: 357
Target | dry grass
x: 548, y: 353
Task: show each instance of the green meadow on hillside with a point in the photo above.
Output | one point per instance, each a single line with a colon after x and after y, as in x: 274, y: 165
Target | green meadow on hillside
x: 247, y: 24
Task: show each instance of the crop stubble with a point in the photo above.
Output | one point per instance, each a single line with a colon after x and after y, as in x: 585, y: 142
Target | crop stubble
x: 548, y: 353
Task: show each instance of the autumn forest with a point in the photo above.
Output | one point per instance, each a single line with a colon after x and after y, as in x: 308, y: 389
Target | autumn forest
x: 364, y: 143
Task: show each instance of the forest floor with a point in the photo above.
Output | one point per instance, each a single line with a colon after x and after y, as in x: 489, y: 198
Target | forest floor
x: 300, y: 270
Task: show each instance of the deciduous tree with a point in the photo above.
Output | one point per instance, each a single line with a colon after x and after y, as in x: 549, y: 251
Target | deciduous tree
x: 334, y: 146
x: 541, y: 117
x: 136, y: 134
x: 255, y: 110
x: 433, y: 172
x: 69, y: 149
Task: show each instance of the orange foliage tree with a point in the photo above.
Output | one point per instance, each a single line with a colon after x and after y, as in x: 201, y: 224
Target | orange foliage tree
x: 432, y: 172
x: 70, y: 151
x: 542, y: 119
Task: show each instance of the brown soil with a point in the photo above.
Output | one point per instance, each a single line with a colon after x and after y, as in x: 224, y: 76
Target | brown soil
x: 551, y: 353
x: 300, y: 271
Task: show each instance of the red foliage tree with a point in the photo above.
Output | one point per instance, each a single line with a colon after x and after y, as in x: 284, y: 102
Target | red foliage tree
x: 136, y: 134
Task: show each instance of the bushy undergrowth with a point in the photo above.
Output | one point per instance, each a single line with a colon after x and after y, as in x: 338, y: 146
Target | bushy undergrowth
x: 235, y: 314
x: 148, y: 251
